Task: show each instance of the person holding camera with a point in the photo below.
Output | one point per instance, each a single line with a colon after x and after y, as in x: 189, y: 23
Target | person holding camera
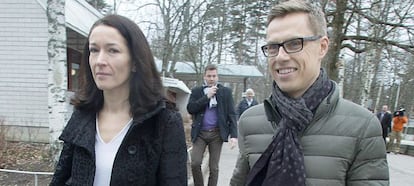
x: 399, y: 121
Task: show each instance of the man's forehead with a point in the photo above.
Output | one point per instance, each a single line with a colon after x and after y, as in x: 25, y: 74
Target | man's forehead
x: 211, y: 72
x: 292, y: 25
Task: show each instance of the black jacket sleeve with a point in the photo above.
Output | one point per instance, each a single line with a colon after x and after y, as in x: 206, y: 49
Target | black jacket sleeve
x: 64, y: 166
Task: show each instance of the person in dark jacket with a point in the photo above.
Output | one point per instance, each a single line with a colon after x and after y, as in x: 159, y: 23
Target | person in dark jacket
x: 305, y: 133
x: 247, y: 102
x: 214, y: 120
x: 123, y: 131
x: 385, y: 118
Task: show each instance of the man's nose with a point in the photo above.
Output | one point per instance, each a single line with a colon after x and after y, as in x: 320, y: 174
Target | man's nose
x: 281, y: 52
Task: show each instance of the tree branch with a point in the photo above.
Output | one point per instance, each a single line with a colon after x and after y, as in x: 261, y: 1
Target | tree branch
x: 407, y: 47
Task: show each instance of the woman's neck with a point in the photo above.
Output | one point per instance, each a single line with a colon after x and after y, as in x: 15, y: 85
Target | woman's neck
x: 116, y: 103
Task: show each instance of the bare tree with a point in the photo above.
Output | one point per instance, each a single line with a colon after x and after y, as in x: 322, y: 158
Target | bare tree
x: 177, y: 23
x: 342, y: 13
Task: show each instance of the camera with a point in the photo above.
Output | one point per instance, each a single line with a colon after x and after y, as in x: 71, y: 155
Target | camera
x: 399, y: 112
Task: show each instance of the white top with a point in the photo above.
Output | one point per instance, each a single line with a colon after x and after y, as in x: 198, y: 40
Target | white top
x: 105, y: 155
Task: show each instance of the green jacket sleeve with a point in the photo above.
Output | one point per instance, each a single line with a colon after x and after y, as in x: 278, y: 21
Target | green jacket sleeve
x: 370, y: 165
x: 242, y: 165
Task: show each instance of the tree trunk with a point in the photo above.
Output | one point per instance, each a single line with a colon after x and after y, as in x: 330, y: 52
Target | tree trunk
x: 57, y: 77
x: 341, y: 77
x: 371, y: 61
x: 337, y: 35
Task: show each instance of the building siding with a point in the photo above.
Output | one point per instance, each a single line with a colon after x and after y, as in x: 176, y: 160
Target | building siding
x: 24, y: 64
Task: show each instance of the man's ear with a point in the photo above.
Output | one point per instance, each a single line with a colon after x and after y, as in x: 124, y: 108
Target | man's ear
x: 324, y: 44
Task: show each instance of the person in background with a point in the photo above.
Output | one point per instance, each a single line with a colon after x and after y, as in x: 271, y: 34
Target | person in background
x: 122, y: 131
x: 385, y: 118
x: 247, y: 102
x: 399, y: 120
x: 305, y: 133
x: 214, y: 120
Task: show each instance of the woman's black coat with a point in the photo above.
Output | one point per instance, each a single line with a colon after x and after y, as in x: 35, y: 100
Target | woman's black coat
x: 153, y: 151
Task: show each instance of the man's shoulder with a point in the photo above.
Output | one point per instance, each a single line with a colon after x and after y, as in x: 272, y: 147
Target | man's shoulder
x: 254, y: 121
x: 220, y: 86
x: 353, y: 108
x: 353, y: 113
x: 254, y: 111
x: 255, y: 114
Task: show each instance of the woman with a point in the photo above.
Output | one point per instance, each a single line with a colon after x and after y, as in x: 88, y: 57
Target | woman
x: 123, y: 131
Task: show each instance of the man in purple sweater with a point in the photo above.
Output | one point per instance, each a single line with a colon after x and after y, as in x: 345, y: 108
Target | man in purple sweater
x: 214, y: 120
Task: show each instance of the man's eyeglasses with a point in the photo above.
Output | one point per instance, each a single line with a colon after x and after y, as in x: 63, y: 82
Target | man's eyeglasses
x: 290, y: 46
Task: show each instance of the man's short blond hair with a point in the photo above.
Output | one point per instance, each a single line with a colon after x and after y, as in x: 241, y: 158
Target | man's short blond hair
x: 317, y: 22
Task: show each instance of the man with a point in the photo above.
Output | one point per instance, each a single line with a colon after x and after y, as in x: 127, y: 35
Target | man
x: 399, y: 121
x: 305, y: 134
x: 214, y: 120
x: 246, y: 102
x: 385, y: 118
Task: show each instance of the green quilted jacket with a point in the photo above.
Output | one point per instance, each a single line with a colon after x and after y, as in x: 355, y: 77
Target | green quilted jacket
x: 343, y: 145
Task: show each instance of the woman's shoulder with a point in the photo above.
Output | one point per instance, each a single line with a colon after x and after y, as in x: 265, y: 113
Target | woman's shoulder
x: 168, y: 119
x: 170, y: 105
x: 169, y: 111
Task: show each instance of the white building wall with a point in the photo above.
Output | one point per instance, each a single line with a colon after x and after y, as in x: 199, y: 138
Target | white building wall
x: 24, y: 64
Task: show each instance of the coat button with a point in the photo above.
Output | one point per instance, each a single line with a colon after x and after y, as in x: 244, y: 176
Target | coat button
x: 131, y: 178
x: 132, y: 149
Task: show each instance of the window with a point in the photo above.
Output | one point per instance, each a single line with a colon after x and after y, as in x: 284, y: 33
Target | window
x: 74, y: 59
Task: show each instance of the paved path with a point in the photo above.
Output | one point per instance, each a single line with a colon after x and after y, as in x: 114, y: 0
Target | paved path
x: 401, y: 167
x: 227, y: 163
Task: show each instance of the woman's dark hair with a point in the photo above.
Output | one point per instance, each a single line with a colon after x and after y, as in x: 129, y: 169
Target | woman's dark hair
x: 145, y: 83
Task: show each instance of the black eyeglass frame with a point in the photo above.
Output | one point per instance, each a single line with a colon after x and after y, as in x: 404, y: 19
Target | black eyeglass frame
x: 278, y: 45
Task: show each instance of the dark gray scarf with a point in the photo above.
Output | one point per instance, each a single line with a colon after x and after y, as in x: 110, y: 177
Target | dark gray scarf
x: 282, y: 162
